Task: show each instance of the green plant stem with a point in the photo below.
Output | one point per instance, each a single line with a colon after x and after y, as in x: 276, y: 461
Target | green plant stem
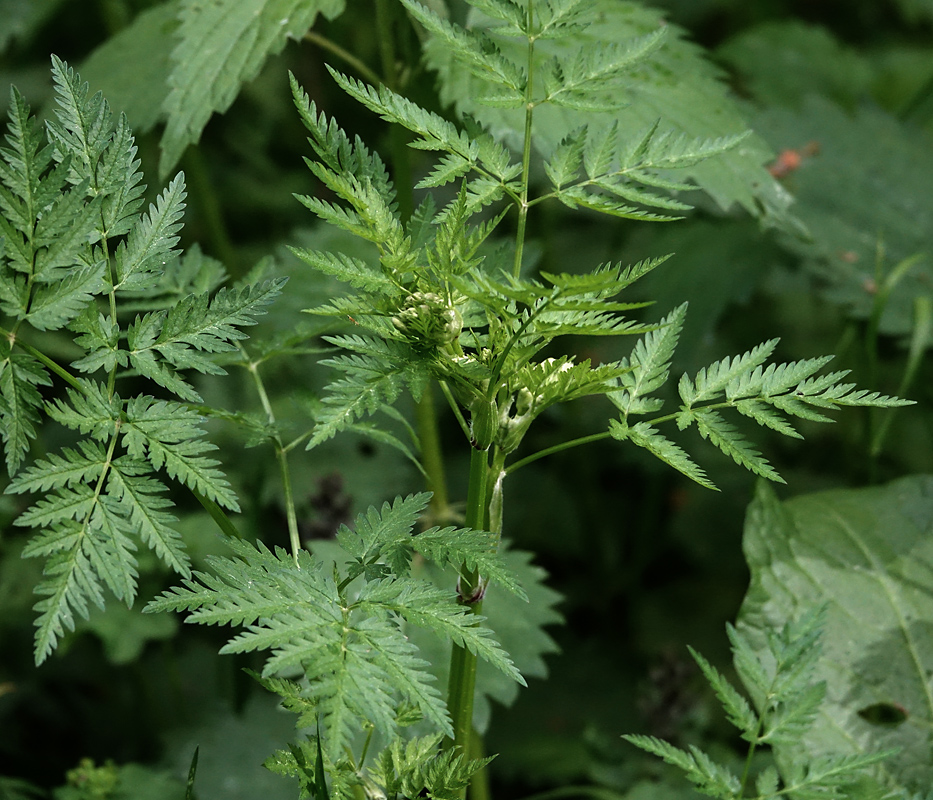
x: 218, y: 515
x: 344, y: 55
x: 452, y: 402
x: 920, y: 336
x: 746, y: 771
x: 401, y: 159
x: 293, y: 537
x: 479, y: 783
x: 281, y: 455
x: 432, y: 458
x: 62, y: 373
x: 112, y: 299
x: 593, y: 437
x: 526, y: 149
x: 462, y: 682
x: 885, y: 286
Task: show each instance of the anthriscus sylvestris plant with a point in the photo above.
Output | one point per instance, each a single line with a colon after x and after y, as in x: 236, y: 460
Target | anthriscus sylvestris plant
x: 448, y: 301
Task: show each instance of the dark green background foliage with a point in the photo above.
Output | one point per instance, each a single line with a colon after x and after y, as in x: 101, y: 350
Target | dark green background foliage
x: 831, y: 251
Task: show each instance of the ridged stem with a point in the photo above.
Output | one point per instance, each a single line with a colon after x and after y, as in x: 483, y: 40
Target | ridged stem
x: 401, y: 161
x: 432, y: 457
x: 526, y: 147
x: 462, y: 682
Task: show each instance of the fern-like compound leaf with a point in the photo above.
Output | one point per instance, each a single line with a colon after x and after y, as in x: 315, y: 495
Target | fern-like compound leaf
x: 82, y: 126
x: 777, y: 379
x: 448, y: 169
x: 848, y: 395
x: 150, y: 243
x: 89, y: 535
x: 567, y: 158
x: 725, y: 436
x: 708, y: 777
x: 370, y: 383
x: 419, y: 768
x: 463, y: 547
x: 99, y: 337
x: 788, y: 720
x: 213, y: 325
x: 136, y: 497
x: 167, y: 434
x: 650, y: 362
x: 88, y: 542
x: 164, y: 339
x: 600, y: 151
x: 54, y: 471
x: 580, y: 197
x: 832, y: 776
x: 607, y: 279
x: 375, y: 532
x: 111, y: 549
x: 644, y: 435
x: 70, y: 231
x: 579, y: 82
x: 476, y: 50
x: 88, y: 411
x: 756, y: 677
x: 66, y: 504
x: 382, y: 542
x: 64, y: 231
x: 436, y: 132
x: 345, y: 268
x: 224, y: 44
x: 423, y: 604
x: 120, y: 182
x: 355, y: 655
x: 338, y: 154
x: 351, y: 646
x: 69, y: 582
x: 22, y: 165
x: 627, y: 191
x: 20, y: 402
x: 54, y: 305
x: 744, y: 383
x: 766, y: 416
x: 737, y: 708
x: 619, y: 181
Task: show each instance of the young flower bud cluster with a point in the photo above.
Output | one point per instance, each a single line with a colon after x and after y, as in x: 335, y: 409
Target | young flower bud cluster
x: 428, y: 320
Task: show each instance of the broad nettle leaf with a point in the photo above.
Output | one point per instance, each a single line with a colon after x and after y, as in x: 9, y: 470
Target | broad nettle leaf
x: 675, y: 85
x: 867, y: 554
x: 224, y: 43
x: 863, y: 188
x: 132, y: 67
x: 781, y: 61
